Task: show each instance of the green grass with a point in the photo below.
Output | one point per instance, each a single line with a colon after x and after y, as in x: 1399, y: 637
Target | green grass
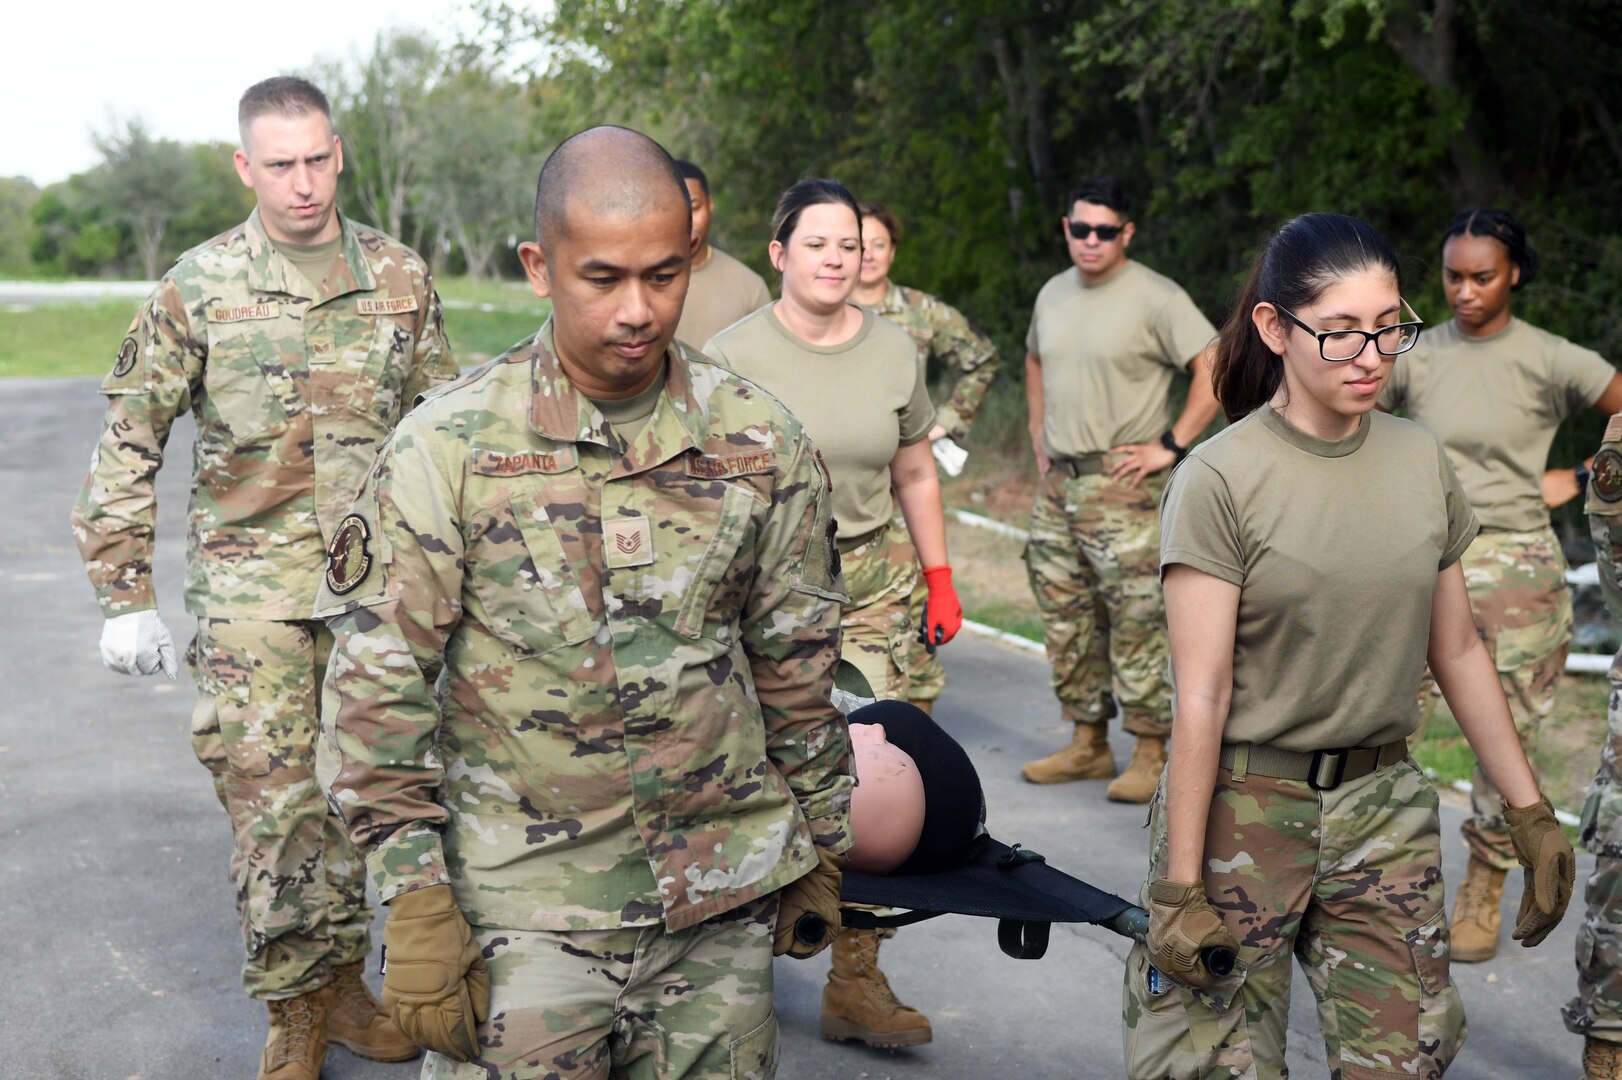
x: 64, y: 339
x: 482, y: 319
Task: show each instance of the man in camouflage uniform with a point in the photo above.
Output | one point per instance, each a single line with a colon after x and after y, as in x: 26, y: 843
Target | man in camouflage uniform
x: 1596, y: 1011
x: 618, y: 555
x: 1106, y: 337
x: 297, y: 340
x: 947, y: 343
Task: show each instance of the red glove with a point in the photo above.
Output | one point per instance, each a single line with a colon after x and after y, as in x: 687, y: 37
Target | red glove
x: 943, y: 614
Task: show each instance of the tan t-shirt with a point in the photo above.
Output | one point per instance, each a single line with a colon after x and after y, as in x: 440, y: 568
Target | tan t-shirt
x: 1108, y: 354
x: 859, y: 401
x: 721, y: 292
x: 1495, y: 403
x: 314, y: 261
x: 1335, y: 547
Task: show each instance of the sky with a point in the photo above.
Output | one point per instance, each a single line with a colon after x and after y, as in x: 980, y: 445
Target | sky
x: 70, y: 69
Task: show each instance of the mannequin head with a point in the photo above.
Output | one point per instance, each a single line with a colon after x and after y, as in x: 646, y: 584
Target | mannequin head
x: 887, y: 807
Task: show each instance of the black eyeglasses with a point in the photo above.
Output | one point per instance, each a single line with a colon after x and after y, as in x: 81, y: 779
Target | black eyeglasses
x: 1080, y: 230
x: 1338, y: 346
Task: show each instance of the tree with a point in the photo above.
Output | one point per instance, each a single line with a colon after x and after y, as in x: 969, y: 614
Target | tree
x: 479, y: 158
x: 17, y: 197
x: 380, y: 107
x: 144, y: 184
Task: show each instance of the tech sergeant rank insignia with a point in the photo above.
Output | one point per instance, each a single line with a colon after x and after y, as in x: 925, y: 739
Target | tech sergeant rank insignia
x: 349, y: 559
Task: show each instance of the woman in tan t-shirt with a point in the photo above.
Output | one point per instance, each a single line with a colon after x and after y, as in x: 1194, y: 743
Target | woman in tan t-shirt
x: 856, y: 383
x: 1493, y: 389
x: 1309, y: 555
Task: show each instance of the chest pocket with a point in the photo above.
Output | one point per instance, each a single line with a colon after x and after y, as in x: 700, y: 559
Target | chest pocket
x: 714, y: 596
x: 248, y: 379
x: 360, y: 361
x: 529, y: 591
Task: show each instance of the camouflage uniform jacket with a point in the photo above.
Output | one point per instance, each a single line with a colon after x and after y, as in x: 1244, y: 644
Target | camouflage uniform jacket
x: 945, y: 334
x: 638, y: 643
x: 1600, y: 829
x: 293, y: 390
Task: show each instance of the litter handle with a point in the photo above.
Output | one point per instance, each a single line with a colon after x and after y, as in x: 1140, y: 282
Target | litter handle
x: 1134, y: 923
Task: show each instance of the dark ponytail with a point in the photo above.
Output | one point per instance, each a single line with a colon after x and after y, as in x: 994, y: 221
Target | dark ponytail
x: 1302, y: 260
x: 810, y: 193
x: 1502, y: 226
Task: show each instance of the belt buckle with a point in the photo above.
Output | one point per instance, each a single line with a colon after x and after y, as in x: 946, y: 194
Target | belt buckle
x: 1316, y: 769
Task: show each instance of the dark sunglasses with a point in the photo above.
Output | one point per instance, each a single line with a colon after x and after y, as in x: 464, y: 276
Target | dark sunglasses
x: 1080, y: 230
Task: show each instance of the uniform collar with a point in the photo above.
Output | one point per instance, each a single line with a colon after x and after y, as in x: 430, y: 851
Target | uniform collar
x: 561, y: 413
x: 269, y: 272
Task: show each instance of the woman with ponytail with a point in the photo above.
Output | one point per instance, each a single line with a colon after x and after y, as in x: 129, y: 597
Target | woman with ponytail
x: 1493, y: 389
x: 1310, y: 560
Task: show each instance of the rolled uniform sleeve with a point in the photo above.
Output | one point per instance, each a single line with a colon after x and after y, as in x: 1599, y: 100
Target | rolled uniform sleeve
x: 963, y: 348
x: 157, y: 372
x: 790, y: 633
x: 432, y: 363
x: 391, y: 596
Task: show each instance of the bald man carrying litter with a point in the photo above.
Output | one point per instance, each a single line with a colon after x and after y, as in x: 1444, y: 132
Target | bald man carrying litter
x: 633, y: 782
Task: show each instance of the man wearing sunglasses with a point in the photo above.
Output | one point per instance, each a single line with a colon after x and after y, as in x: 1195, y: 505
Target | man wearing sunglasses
x: 1106, y: 338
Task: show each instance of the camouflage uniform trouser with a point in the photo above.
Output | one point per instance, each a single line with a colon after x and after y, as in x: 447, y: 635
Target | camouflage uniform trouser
x: 1597, y: 1009
x: 1094, y: 563
x: 1522, y: 608
x: 1348, y: 880
x: 879, y: 576
x: 300, y: 883
x: 926, y: 678
x: 635, y: 1002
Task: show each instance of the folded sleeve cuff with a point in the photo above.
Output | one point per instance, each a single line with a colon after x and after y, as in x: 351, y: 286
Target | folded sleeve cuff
x: 410, y: 859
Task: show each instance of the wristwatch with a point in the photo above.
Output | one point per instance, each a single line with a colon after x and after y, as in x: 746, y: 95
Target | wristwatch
x: 1170, y: 443
x: 1583, y: 475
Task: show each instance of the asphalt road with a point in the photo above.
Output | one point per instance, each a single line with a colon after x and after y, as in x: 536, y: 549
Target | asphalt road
x: 119, y: 951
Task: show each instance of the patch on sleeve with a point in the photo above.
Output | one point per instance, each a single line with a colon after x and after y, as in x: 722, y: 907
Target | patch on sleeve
x: 126, y: 358
x: 349, y: 556
x: 1606, y: 475
x: 1613, y: 429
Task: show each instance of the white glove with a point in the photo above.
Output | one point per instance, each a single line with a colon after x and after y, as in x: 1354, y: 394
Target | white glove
x: 138, y: 644
x: 949, y: 455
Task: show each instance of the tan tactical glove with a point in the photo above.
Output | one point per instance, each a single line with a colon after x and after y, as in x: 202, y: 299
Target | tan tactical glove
x: 817, y: 893
x: 435, y: 984
x: 1181, y: 927
x: 1551, y: 869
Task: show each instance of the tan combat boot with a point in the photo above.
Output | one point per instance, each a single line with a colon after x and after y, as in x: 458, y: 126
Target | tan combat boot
x: 858, y: 1004
x: 1476, y: 917
x: 1086, y: 758
x: 1137, y: 784
x: 1601, y: 1060
x: 358, y: 1023
x: 298, y: 1037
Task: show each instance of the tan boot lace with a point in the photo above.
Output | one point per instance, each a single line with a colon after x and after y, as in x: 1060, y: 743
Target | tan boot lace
x: 354, y: 999
x: 1476, y: 893
x: 298, y: 1021
x: 876, y: 984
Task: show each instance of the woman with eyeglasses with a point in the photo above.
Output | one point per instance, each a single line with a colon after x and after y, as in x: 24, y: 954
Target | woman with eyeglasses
x: 949, y: 340
x: 1493, y: 389
x: 1310, y: 559
x: 856, y: 382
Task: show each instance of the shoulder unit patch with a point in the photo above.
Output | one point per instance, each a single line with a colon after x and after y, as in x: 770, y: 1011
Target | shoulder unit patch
x: 349, y: 556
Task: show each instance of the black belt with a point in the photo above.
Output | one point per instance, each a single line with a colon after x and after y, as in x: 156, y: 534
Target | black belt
x: 848, y: 544
x: 1085, y: 465
x: 1322, y: 770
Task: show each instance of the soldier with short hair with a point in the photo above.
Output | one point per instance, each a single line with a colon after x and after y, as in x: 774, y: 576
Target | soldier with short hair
x: 619, y: 556
x: 721, y: 289
x: 1106, y: 338
x: 297, y: 340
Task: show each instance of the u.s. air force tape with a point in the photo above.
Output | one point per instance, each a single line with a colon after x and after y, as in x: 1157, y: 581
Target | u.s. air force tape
x: 349, y: 556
